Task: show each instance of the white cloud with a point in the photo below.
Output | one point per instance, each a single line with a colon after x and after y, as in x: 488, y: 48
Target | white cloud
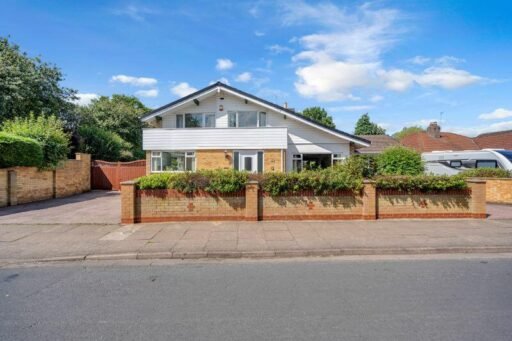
x: 224, y: 64
x: 274, y: 95
x: 376, y: 98
x: 396, y: 79
x: 222, y: 80
x: 182, y: 89
x: 419, y: 60
x: 496, y: 114
x: 147, y: 93
x: 244, y: 77
x: 136, y: 13
x: 135, y: 81
x: 278, y: 49
x: 259, y: 33
x: 447, y: 77
x: 449, y: 60
x: 476, y: 130
x: 85, y: 99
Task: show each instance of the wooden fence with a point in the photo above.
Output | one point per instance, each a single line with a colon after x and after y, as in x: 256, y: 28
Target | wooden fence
x: 108, y: 175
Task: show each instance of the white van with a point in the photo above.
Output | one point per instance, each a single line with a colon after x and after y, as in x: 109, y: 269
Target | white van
x: 450, y: 163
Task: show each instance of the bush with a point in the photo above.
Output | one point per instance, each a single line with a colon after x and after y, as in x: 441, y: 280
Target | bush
x: 211, y: 181
x: 486, y: 173
x: 359, y: 165
x: 103, y: 144
x: 399, y: 161
x: 48, y: 131
x: 19, y: 151
x: 320, y: 181
x: 423, y: 183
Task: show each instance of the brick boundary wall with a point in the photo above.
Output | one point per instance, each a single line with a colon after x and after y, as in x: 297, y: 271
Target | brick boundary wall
x: 252, y: 204
x: 498, y: 190
x: 20, y: 185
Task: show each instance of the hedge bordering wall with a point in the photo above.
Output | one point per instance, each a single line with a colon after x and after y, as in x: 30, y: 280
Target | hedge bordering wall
x: 253, y: 204
x: 20, y: 185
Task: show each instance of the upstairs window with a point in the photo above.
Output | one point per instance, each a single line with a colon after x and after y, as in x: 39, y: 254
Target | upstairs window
x: 247, y: 119
x: 195, y: 120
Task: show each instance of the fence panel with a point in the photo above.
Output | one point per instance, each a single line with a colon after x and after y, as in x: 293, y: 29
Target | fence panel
x: 108, y: 175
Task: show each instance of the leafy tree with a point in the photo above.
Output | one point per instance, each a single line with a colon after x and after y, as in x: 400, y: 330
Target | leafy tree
x: 366, y: 127
x: 28, y: 84
x: 407, y: 131
x: 319, y: 115
x: 102, y: 144
x: 47, y: 130
x: 399, y: 160
x: 119, y: 114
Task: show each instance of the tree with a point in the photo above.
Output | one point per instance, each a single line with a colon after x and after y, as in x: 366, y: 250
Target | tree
x: 103, y: 144
x: 407, y: 131
x: 366, y: 127
x: 119, y: 114
x: 319, y: 115
x: 28, y: 84
x: 399, y: 160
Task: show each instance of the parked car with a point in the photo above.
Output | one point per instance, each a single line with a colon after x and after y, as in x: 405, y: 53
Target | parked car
x: 453, y: 162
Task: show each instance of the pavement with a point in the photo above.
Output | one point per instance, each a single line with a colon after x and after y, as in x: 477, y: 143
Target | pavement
x: 86, y: 227
x: 423, y: 298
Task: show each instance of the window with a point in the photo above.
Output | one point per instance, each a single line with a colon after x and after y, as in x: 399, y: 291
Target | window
x: 248, y: 163
x: 337, y: 159
x: 456, y: 164
x: 486, y: 164
x: 246, y: 119
x: 173, y: 161
x: 297, y: 162
x: 195, y: 120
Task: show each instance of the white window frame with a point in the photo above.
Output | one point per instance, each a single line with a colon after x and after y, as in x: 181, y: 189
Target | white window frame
x: 337, y: 157
x: 258, y: 115
x: 203, y: 120
x: 158, y: 154
x: 298, y: 157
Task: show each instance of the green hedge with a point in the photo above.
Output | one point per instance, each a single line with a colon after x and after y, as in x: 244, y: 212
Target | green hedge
x: 423, y: 183
x: 399, y: 161
x: 486, y: 173
x: 19, y: 151
x: 212, y: 181
x: 319, y: 181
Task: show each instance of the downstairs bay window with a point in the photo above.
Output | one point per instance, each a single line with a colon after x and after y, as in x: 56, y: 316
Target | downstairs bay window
x: 173, y: 161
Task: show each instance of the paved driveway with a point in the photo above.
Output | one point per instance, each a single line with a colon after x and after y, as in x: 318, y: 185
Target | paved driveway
x: 496, y: 211
x: 95, y: 207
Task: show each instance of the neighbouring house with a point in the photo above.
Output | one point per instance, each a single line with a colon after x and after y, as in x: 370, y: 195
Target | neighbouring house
x: 223, y: 127
x: 378, y: 144
x: 498, y: 140
x: 433, y: 139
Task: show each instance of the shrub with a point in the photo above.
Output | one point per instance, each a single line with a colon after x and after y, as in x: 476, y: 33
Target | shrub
x: 423, y: 183
x: 212, y: 181
x: 48, y: 131
x: 359, y: 165
x: 399, y: 161
x: 103, y: 144
x: 320, y: 181
x: 486, y: 173
x: 19, y: 151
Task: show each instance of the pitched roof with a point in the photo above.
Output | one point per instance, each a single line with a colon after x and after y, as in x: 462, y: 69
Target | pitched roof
x: 422, y: 142
x: 379, y: 143
x: 241, y: 93
x: 499, y: 139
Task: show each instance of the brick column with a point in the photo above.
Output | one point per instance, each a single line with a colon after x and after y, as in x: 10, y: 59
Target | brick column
x: 477, y: 206
x: 85, y: 170
x: 128, y: 190
x: 148, y: 162
x: 12, y: 188
x: 369, y: 200
x: 251, y: 200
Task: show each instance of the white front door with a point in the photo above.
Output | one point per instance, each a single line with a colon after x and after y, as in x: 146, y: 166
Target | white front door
x: 248, y: 161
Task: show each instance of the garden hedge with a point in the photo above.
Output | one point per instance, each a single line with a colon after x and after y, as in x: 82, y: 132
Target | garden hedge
x: 19, y: 151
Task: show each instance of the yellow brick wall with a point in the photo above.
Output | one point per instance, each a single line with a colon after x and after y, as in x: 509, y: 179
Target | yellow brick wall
x: 3, y: 187
x: 499, y: 190
x: 148, y: 163
x: 212, y: 159
x: 272, y: 160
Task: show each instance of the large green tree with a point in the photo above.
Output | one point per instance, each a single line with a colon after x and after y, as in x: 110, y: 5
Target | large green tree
x: 320, y: 115
x: 119, y: 114
x: 27, y: 84
x: 364, y: 126
x: 407, y: 131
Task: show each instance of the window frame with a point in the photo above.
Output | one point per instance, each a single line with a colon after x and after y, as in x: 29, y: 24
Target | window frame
x: 298, y: 157
x: 203, y: 120
x: 482, y: 161
x: 337, y: 157
x: 237, y: 120
x: 188, y: 154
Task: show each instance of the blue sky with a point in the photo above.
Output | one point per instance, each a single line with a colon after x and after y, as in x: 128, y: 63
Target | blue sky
x: 403, y: 62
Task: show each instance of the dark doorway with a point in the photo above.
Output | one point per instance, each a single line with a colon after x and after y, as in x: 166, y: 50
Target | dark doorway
x: 316, y: 161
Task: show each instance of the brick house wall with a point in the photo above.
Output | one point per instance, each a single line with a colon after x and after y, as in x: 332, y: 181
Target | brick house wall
x: 499, y: 190
x: 212, y: 159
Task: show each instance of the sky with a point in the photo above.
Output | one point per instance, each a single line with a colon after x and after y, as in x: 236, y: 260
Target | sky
x: 403, y: 62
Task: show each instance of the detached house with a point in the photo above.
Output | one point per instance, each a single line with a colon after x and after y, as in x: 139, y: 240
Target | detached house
x: 222, y: 127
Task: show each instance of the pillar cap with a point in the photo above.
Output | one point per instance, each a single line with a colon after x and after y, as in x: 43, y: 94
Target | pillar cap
x: 369, y: 182
x: 476, y: 180
x: 253, y: 182
x: 130, y: 182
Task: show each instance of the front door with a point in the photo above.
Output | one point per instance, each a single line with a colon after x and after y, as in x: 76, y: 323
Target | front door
x: 248, y: 161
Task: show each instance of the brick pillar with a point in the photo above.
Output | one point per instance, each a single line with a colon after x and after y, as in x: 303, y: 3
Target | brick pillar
x: 477, y: 206
x: 128, y: 190
x: 251, y: 200
x: 12, y: 190
x: 369, y: 200
x: 85, y: 170
x: 148, y: 162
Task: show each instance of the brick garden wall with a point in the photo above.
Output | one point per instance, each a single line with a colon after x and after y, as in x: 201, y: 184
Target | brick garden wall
x: 499, y: 190
x: 253, y: 204
x: 19, y: 185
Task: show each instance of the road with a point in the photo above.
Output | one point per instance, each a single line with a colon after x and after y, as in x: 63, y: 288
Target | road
x: 329, y: 299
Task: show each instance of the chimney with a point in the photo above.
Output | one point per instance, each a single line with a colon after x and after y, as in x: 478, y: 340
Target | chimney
x: 434, y: 130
